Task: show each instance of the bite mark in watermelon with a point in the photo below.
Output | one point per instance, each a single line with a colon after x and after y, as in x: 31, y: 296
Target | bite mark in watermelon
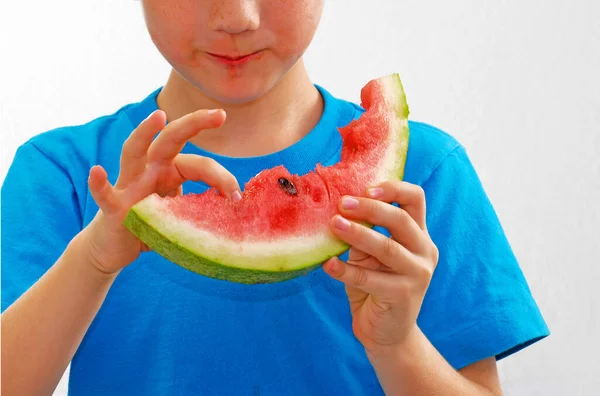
x: 279, y: 230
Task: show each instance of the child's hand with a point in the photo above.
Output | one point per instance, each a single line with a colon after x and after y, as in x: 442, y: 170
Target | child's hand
x: 386, y: 278
x: 149, y: 166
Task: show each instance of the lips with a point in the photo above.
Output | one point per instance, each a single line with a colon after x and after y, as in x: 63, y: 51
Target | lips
x: 234, y: 59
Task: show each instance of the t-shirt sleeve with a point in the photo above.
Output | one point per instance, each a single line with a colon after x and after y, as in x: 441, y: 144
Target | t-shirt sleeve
x: 478, y: 303
x: 39, y: 215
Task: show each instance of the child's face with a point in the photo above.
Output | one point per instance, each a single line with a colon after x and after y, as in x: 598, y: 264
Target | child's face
x: 188, y: 32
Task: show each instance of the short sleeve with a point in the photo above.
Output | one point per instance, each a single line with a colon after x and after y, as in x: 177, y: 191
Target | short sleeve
x: 40, y: 216
x: 478, y: 303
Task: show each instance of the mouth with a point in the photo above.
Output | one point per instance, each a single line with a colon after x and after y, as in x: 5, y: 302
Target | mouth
x: 235, y: 59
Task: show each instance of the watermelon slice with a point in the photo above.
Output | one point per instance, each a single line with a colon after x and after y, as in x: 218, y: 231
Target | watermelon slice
x: 279, y: 230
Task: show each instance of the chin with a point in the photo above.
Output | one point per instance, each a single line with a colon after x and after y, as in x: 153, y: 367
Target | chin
x: 243, y: 92
x: 237, y: 90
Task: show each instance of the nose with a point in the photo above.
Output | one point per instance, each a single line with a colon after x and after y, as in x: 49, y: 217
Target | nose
x: 234, y: 16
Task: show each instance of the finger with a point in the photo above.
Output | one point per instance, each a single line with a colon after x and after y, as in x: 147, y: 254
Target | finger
x: 372, y: 282
x: 362, y: 259
x: 397, y: 221
x: 410, y: 197
x: 135, y: 149
x: 196, y: 168
x: 103, y: 193
x: 142, y: 187
x: 384, y: 249
x: 176, y: 134
x: 355, y: 254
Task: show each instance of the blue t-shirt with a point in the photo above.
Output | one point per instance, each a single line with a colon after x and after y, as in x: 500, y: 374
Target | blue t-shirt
x: 163, y: 330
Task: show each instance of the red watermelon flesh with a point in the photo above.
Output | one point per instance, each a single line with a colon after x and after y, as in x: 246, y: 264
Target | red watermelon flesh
x: 279, y: 230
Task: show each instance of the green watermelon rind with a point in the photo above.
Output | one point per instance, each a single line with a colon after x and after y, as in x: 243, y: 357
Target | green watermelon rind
x: 278, y: 268
x: 199, y: 262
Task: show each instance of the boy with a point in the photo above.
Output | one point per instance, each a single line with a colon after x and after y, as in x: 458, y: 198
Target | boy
x: 425, y: 306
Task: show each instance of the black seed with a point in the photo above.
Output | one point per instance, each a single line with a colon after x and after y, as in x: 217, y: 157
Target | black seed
x: 287, y: 186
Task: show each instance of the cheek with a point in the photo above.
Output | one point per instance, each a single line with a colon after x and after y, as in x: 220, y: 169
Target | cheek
x: 294, y: 22
x: 172, y: 28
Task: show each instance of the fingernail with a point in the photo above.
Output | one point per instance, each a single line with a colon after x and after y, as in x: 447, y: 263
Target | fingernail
x: 342, y: 224
x: 375, y: 192
x: 213, y: 111
x: 236, y: 196
x: 349, y: 203
x: 334, y: 267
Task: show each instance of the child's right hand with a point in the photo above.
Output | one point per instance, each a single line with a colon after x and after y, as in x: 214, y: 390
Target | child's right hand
x: 149, y: 166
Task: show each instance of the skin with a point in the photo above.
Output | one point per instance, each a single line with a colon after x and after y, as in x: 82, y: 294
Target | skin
x: 272, y: 93
x: 385, y: 278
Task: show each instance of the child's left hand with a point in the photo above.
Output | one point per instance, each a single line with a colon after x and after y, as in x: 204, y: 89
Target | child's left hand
x: 385, y: 278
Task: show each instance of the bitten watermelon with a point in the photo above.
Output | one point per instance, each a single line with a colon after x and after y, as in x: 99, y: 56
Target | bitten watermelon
x: 279, y: 230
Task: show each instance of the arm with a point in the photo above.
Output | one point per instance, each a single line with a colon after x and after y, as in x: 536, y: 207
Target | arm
x: 42, y: 330
x: 418, y: 368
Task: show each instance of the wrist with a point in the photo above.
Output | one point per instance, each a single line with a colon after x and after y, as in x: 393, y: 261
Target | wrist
x: 415, y: 367
x: 401, y: 350
x: 83, y: 255
x: 399, y: 366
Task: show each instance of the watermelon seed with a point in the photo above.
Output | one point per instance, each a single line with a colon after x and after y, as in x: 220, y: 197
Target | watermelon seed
x: 287, y: 186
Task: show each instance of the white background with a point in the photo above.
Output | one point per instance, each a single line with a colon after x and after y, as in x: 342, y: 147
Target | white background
x: 517, y: 82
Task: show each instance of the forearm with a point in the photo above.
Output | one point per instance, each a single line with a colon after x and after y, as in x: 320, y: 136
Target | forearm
x: 417, y: 368
x: 42, y: 330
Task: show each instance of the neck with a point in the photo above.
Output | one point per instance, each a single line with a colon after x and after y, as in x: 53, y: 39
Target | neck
x: 276, y: 120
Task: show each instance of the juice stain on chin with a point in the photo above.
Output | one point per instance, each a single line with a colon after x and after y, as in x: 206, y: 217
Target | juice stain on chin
x: 233, y: 70
x: 236, y: 70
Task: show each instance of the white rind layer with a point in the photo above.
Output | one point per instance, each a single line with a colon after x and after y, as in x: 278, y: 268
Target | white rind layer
x: 285, y: 254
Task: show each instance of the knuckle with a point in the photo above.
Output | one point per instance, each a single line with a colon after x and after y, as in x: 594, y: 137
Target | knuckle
x: 419, y: 192
x: 370, y: 208
x: 360, y: 277
x: 374, y: 211
x: 424, y: 273
x: 435, y: 253
x: 403, y: 216
x: 420, y: 195
x: 176, y: 123
x: 175, y: 132
x: 396, y: 185
x: 178, y: 138
x: 389, y: 247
